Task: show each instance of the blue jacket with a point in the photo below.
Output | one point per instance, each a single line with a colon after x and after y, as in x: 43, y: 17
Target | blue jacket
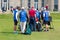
x: 23, y: 16
x: 15, y: 11
x: 38, y: 14
x: 46, y: 15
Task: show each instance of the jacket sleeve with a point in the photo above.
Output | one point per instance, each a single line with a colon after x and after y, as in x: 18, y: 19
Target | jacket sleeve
x: 17, y: 15
x: 43, y: 14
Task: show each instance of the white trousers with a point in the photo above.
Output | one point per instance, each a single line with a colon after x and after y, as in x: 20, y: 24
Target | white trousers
x: 23, y: 26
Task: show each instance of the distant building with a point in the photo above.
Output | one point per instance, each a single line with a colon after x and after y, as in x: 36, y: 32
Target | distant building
x: 52, y: 4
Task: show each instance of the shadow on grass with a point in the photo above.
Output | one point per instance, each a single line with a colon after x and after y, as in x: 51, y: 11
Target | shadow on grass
x: 13, y: 33
x: 7, y: 32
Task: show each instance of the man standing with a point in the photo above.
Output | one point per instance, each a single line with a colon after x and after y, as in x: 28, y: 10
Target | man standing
x: 38, y: 21
x: 46, y: 15
x: 15, y: 16
x: 23, y: 19
x: 32, y: 19
x: 38, y: 15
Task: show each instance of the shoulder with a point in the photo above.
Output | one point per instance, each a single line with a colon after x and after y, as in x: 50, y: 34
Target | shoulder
x: 16, y: 9
x: 30, y: 9
x: 44, y: 11
x: 25, y: 10
x: 48, y: 11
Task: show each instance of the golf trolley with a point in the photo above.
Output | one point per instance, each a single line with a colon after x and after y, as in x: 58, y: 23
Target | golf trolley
x: 51, y: 23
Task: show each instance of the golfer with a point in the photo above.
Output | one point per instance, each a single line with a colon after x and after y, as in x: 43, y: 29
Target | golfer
x: 46, y: 15
x: 15, y: 16
x: 32, y: 19
x: 23, y: 19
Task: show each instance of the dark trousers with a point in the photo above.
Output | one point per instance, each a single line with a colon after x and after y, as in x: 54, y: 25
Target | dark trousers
x: 32, y: 24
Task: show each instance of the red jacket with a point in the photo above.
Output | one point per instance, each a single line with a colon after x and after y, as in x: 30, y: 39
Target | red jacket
x: 32, y: 13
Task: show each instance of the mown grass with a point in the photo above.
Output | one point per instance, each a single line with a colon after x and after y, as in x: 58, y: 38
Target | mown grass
x: 6, y: 30
x: 56, y: 16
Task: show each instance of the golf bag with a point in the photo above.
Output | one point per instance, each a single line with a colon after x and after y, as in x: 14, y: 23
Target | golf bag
x: 28, y: 30
x: 51, y: 23
x: 38, y: 26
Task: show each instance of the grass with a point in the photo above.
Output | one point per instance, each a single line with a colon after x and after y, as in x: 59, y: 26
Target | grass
x: 6, y: 29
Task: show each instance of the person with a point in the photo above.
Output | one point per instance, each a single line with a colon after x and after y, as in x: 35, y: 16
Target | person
x: 3, y: 9
x: 32, y: 19
x: 11, y: 8
x: 46, y: 15
x: 15, y: 16
x: 23, y: 19
x: 38, y: 20
x: 42, y: 10
x: 38, y: 15
x: 46, y: 7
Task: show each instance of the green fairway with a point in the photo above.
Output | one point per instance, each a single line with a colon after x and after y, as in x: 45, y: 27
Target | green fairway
x: 6, y: 30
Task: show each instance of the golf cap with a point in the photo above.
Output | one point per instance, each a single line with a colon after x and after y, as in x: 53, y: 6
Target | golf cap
x: 44, y: 8
x: 22, y: 8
